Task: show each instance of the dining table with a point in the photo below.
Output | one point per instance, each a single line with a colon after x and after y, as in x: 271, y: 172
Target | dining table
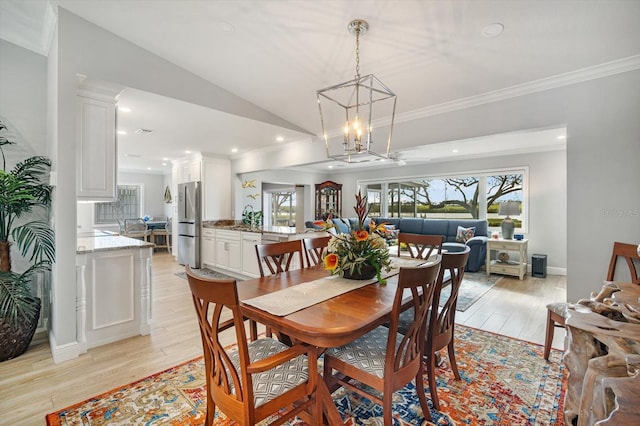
x: 360, y: 307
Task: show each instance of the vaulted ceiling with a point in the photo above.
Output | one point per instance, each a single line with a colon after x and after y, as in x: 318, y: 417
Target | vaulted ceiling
x: 276, y: 54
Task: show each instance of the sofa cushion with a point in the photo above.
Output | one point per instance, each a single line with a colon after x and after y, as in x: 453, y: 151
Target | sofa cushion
x: 342, y: 225
x: 411, y: 225
x: 435, y: 227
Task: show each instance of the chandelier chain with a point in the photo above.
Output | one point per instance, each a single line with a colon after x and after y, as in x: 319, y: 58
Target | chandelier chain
x: 358, y: 52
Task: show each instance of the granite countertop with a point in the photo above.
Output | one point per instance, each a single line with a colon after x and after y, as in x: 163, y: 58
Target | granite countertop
x: 104, y: 243
x: 236, y: 225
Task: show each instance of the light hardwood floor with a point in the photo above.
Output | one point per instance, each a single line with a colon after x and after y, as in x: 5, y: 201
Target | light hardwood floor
x: 32, y: 385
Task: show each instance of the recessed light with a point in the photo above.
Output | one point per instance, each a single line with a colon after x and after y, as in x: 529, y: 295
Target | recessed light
x: 148, y: 168
x: 124, y: 109
x: 330, y: 167
x: 561, y: 137
x: 280, y: 139
x: 492, y: 30
x: 165, y: 159
x: 187, y: 152
x: 234, y: 149
x: 164, y: 164
x: 122, y: 132
x: 455, y: 150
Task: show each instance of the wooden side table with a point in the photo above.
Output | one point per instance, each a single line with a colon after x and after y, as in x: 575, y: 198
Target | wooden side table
x: 508, y: 266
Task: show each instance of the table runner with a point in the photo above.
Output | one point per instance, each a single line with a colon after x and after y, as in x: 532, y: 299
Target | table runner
x: 295, y: 298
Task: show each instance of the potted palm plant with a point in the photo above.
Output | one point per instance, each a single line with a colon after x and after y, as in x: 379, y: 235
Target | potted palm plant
x: 23, y: 193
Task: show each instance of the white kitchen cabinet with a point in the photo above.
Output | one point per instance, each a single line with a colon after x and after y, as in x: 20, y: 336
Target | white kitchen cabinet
x: 249, y: 259
x: 216, y: 188
x: 96, y: 146
x: 208, y: 247
x: 228, y: 250
x: 189, y: 170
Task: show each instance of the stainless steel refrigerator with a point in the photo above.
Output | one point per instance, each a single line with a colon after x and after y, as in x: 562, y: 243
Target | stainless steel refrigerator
x: 189, y: 224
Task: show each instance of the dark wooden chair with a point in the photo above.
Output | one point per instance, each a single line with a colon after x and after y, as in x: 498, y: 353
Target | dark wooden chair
x: 420, y: 246
x: 557, y: 312
x: 253, y: 380
x: 278, y: 257
x: 314, y: 249
x: 441, y: 323
x: 384, y: 359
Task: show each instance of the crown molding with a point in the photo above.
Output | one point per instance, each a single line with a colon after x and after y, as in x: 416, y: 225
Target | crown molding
x: 606, y: 69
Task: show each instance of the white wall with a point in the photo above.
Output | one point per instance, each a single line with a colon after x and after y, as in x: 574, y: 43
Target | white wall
x: 23, y: 95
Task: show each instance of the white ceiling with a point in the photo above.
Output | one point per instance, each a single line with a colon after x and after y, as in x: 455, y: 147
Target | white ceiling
x: 277, y: 53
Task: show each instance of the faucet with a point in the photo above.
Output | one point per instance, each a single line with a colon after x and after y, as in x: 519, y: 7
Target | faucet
x: 249, y: 213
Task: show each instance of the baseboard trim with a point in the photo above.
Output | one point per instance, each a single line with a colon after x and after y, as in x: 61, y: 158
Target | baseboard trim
x: 62, y: 353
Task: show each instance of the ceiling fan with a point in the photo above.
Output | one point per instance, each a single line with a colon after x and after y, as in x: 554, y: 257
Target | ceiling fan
x: 401, y: 158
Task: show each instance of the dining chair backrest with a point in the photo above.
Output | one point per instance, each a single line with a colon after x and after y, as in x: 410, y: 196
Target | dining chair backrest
x: 419, y: 246
x: 315, y: 249
x: 121, y: 228
x: 245, y: 392
x: 628, y: 252
x: 440, y: 328
x: 279, y: 257
x: 135, y: 225
x: 442, y: 319
x: 421, y: 282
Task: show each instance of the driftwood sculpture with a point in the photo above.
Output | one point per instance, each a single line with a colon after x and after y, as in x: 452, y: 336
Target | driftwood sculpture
x: 603, y: 357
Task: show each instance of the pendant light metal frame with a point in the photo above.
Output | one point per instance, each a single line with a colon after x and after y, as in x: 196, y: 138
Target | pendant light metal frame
x: 355, y: 99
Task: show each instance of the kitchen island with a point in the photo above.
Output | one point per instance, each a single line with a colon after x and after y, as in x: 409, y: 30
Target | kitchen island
x: 113, y: 287
x: 229, y: 246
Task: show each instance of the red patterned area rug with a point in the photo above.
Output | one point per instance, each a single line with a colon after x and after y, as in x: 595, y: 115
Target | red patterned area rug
x: 504, y: 382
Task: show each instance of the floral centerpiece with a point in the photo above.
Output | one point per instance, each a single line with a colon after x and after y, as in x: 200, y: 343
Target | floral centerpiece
x: 360, y: 254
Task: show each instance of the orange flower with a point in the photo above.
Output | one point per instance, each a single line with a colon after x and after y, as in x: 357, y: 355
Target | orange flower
x: 380, y: 229
x: 361, y: 235
x: 331, y: 261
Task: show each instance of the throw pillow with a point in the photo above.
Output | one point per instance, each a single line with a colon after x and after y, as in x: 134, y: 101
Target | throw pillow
x: 392, y: 232
x: 465, y: 234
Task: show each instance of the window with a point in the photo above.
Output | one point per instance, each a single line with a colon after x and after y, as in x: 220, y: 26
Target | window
x: 283, y: 208
x: 128, y: 205
x: 474, y: 196
x: 501, y: 188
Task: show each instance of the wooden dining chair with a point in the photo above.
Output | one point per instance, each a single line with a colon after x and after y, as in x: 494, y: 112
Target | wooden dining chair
x: 136, y: 228
x: 165, y: 233
x: 278, y: 257
x: 384, y: 359
x: 441, y: 322
x: 557, y: 312
x: 315, y: 249
x: 420, y: 246
x: 254, y: 380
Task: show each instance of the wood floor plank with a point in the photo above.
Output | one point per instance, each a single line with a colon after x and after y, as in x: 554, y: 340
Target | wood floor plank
x: 33, y: 385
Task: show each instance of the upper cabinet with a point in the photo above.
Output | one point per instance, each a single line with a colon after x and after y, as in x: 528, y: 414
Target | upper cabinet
x: 96, y: 144
x: 328, y: 200
x: 214, y: 173
x: 216, y: 188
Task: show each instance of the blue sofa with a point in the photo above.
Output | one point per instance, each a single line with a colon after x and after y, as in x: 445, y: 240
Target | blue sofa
x: 446, y: 227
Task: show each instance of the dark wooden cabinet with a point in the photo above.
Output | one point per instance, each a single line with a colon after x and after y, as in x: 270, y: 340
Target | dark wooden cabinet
x: 328, y: 199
